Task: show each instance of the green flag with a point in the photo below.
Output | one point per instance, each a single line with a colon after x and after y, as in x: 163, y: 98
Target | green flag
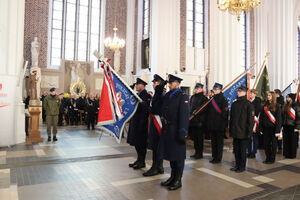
x: 263, y: 86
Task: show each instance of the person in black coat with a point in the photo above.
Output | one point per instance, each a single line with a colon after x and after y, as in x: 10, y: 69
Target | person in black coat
x: 97, y: 101
x: 61, y: 109
x: 270, y: 125
x: 217, y: 122
x: 44, y: 95
x: 138, y: 127
x: 241, y: 127
x: 280, y: 101
x: 291, y: 126
x: 73, y: 110
x: 198, y: 122
x: 256, y: 137
x: 175, y: 118
x: 90, y: 110
x: 155, y: 126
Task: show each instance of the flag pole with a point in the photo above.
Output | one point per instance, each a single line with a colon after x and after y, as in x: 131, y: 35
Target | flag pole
x: 101, y: 60
x: 225, y: 88
x: 261, y: 68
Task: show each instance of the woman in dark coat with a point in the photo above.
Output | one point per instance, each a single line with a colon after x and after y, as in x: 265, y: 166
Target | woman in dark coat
x: 270, y: 125
x: 291, y: 125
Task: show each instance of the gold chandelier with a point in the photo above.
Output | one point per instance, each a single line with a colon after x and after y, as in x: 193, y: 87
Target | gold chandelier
x: 116, y: 43
x: 236, y: 7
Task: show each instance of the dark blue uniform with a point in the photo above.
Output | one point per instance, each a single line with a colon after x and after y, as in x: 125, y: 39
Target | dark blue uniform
x: 138, y: 127
x: 175, y: 115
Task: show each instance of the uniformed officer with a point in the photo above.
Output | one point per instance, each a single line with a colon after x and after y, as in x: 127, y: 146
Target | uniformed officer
x: 197, y: 124
x: 175, y: 118
x: 155, y: 125
x: 138, y: 128
x: 217, y: 119
x: 90, y: 110
x: 241, y: 127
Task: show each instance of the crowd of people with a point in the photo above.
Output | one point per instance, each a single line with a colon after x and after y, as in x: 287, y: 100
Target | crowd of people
x: 163, y: 122
x: 65, y: 109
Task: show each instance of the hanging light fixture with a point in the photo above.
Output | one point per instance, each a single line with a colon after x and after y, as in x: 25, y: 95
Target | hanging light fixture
x: 116, y: 43
x: 236, y: 7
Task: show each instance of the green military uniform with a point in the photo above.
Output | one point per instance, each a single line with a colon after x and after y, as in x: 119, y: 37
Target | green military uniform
x: 51, y: 106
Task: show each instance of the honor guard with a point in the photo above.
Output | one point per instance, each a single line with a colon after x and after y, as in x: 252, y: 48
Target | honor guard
x: 197, y: 124
x: 175, y: 118
x: 241, y: 128
x: 138, y: 127
x: 155, y: 125
x: 217, y: 119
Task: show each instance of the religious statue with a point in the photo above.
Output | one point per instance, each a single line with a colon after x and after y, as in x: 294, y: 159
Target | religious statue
x: 33, y: 85
x: 35, y: 48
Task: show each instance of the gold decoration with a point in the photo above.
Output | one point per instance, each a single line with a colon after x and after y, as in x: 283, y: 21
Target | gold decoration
x: 236, y: 7
x: 77, y: 87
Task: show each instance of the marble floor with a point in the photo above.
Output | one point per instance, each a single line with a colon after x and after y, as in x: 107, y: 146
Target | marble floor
x: 88, y: 165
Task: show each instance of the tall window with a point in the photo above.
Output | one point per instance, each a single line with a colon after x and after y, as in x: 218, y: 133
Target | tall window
x: 146, y: 19
x: 75, y: 30
x: 195, y: 23
x: 245, y: 40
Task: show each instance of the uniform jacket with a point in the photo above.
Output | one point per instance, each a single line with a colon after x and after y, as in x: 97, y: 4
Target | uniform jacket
x: 138, y: 127
x: 257, y: 105
x: 81, y: 103
x: 196, y: 102
x: 265, y: 122
x: 287, y: 120
x: 175, y: 113
x: 90, y: 106
x: 241, y: 119
x: 51, y: 105
x: 217, y: 121
x: 155, y: 109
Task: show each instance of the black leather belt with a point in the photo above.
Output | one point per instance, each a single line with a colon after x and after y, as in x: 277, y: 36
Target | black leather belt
x: 168, y: 122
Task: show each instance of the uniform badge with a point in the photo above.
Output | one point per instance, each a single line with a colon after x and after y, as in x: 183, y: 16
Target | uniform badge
x: 253, y: 113
x: 186, y: 101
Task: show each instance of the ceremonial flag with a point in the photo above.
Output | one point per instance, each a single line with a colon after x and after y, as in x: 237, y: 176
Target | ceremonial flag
x: 298, y: 92
x: 231, y: 92
x: 118, y: 103
x: 287, y: 91
x: 263, y: 86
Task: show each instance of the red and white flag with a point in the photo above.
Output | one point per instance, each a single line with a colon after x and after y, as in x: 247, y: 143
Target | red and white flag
x: 110, y: 107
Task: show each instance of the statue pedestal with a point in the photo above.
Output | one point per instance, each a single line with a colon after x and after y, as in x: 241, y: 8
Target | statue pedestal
x: 34, y: 133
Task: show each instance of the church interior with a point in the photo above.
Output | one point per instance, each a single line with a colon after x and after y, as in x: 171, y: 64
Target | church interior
x: 57, y: 44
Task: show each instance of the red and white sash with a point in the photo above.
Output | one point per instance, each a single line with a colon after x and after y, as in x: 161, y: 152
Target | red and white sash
x: 270, y: 115
x: 292, y: 113
x: 157, y: 123
x: 256, y: 121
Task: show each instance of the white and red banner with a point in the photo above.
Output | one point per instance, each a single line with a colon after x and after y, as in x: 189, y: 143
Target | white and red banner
x: 8, y: 86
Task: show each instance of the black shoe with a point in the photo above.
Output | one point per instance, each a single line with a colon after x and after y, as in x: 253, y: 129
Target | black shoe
x: 54, y: 139
x: 249, y: 155
x: 267, y: 162
x: 132, y: 164
x: 49, y: 138
x: 151, y: 172
x: 212, y: 161
x: 170, y: 180
x: 234, y: 169
x: 252, y: 155
x: 197, y: 156
x: 176, y: 184
x: 139, y: 165
x: 160, y: 167
x: 215, y: 161
x: 240, y: 170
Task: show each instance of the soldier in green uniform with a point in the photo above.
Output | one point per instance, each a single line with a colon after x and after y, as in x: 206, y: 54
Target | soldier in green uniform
x: 51, y: 106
